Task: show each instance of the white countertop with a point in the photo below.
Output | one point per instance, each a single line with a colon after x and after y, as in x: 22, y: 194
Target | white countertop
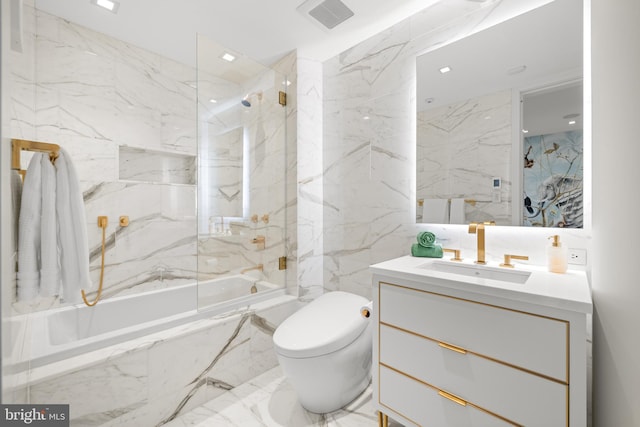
x: 569, y: 291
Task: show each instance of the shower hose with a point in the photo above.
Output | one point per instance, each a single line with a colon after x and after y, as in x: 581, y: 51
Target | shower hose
x: 102, y: 223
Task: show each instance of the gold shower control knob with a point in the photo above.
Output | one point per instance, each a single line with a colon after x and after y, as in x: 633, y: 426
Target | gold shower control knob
x: 124, y: 221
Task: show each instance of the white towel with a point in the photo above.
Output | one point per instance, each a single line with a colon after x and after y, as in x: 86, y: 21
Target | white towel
x: 435, y: 211
x: 72, y: 231
x: 456, y: 214
x: 53, y: 252
x: 29, y: 232
x: 49, y: 269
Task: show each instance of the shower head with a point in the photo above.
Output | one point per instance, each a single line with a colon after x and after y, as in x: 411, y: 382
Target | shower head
x: 246, y: 100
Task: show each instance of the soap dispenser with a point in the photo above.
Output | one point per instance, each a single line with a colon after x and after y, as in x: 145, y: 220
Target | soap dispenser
x: 557, y: 256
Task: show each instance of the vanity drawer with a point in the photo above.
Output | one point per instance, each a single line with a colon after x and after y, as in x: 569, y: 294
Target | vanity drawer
x: 425, y: 407
x: 517, y: 395
x: 528, y: 341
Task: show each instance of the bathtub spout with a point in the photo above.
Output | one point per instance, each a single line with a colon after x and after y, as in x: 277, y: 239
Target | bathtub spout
x: 255, y: 267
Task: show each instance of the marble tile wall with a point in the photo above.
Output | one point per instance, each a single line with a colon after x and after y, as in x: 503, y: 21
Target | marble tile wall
x: 309, y: 185
x: 448, y: 146
x: 110, y: 104
x: 369, y: 150
x: 152, y: 380
x: 95, y: 96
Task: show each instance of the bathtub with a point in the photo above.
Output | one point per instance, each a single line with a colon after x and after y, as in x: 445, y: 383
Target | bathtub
x: 58, y: 334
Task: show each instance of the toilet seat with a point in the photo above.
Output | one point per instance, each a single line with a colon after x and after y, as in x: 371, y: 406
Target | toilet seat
x: 327, y: 324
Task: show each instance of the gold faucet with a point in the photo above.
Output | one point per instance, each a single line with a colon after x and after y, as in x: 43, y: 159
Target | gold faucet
x: 477, y: 228
x: 255, y: 267
x: 509, y: 257
x: 455, y: 252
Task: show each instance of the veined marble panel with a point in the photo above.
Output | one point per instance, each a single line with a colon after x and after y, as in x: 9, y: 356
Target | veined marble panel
x: 453, y: 160
x: 136, y: 383
x: 368, y: 174
x: 92, y: 94
x: 157, y: 167
x: 269, y: 401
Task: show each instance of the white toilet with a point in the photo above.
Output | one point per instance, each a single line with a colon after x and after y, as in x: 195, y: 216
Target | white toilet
x: 324, y: 350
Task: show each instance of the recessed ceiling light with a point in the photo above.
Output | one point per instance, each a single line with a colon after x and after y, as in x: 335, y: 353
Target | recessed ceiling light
x: 286, y: 83
x: 110, y: 5
x: 572, y: 122
x: 213, y: 101
x: 366, y: 118
x: 444, y: 70
x: 228, y: 57
x: 525, y: 131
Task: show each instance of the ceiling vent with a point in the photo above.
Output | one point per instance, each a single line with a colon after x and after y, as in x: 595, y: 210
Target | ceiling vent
x: 329, y: 13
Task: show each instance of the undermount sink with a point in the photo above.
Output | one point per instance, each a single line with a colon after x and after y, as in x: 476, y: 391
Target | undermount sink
x: 479, y: 271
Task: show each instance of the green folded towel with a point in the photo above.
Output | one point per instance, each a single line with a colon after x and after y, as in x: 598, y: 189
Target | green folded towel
x: 434, y: 251
x: 426, y: 239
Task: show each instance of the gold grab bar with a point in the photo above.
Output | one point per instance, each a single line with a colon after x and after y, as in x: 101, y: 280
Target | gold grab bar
x: 472, y: 202
x: 102, y: 223
x: 17, y: 145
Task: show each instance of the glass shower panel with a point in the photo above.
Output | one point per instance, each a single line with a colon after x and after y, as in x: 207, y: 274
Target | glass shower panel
x: 241, y: 176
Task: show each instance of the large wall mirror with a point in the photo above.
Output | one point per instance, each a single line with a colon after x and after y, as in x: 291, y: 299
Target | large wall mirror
x: 499, y: 123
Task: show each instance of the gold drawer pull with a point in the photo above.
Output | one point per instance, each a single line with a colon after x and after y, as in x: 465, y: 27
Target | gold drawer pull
x: 452, y: 347
x: 452, y: 398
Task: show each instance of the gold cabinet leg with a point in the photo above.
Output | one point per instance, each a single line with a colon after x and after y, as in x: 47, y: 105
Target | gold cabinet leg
x: 383, y: 420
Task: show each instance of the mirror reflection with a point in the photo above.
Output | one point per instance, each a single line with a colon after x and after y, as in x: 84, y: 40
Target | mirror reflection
x: 553, y: 157
x: 482, y: 102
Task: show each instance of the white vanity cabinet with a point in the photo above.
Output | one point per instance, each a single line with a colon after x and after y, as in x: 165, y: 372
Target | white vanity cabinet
x: 451, y: 350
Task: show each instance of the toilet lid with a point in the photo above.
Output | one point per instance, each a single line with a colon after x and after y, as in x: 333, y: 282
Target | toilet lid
x: 327, y: 324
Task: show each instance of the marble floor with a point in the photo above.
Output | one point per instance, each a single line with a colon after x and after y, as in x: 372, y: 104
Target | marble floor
x: 269, y: 401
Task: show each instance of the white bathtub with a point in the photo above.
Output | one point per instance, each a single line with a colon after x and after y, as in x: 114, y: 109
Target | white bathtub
x: 53, y: 335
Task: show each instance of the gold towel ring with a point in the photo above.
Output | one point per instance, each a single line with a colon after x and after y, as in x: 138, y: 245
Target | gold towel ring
x: 102, y: 223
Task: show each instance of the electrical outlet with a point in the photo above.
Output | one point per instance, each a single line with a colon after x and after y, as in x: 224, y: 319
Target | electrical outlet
x: 577, y: 256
